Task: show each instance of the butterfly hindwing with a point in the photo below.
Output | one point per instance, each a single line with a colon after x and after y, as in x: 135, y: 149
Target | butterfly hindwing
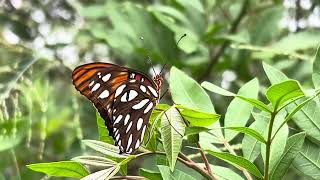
x: 131, y: 112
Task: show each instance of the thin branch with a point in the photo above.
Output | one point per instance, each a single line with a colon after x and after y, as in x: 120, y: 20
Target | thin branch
x: 204, y: 158
x: 215, y: 57
x: 15, y: 162
x: 128, y: 177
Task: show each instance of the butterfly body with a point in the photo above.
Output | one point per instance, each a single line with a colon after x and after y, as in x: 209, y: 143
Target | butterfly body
x: 124, y: 98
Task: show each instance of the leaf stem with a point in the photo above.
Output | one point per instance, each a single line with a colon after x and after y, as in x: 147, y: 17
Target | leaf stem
x: 268, y: 146
x: 128, y: 177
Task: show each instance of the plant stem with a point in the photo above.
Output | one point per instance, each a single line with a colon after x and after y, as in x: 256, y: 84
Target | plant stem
x: 268, y: 146
x: 204, y: 158
x: 15, y: 162
x: 186, y: 161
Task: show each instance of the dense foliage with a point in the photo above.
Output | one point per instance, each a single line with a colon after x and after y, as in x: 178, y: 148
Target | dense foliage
x: 243, y: 88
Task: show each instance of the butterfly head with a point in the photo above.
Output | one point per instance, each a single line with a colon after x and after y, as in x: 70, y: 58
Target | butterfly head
x: 158, y: 79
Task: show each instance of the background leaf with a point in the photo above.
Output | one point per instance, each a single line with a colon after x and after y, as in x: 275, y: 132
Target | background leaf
x: 238, y: 112
x: 293, y: 146
x: 176, y: 175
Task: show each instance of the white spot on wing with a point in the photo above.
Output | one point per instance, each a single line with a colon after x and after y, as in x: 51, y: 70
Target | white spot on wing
x: 119, y: 90
x: 142, y: 79
x: 153, y: 91
x: 117, y: 137
x: 126, y: 119
x: 139, y: 124
x: 132, y: 80
x: 118, y: 119
x: 95, y: 87
x: 124, y: 97
x: 143, y: 88
x: 140, y: 104
x: 132, y: 75
x: 129, y: 127
x: 92, y: 82
x: 129, y: 141
x: 132, y: 94
x: 104, y: 94
x: 148, y: 108
x: 137, y: 144
x: 106, y: 77
x: 143, y: 131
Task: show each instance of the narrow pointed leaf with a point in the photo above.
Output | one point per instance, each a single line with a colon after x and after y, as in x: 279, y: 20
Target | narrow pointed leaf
x: 104, y: 148
x: 172, y: 130
x: 239, y: 111
x: 197, y: 117
x: 103, y: 174
x: 248, y: 131
x: 237, y: 160
x: 61, y: 169
x: 216, y: 89
x: 284, y: 92
x: 95, y: 161
x: 274, y: 75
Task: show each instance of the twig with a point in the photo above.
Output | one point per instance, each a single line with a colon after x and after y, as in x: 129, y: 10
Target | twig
x: 245, y: 172
x: 215, y: 57
x: 204, y: 158
x: 128, y: 177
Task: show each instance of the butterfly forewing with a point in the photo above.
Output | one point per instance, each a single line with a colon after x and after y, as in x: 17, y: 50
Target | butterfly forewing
x: 124, y: 98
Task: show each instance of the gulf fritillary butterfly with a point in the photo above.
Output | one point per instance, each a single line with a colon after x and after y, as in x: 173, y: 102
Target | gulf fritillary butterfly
x: 124, y: 98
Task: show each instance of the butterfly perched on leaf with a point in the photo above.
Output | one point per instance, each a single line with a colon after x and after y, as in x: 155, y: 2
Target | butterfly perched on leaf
x: 124, y: 98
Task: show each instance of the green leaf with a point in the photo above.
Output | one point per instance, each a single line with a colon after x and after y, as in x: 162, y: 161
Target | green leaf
x: 188, y: 92
x: 274, y: 75
x: 238, y: 112
x: 296, y: 108
x: 251, y: 147
x: 103, y: 130
x: 175, y: 175
x: 307, y: 161
x: 216, y: 89
x: 152, y: 175
x: 224, y: 173
x: 104, y: 148
x: 103, y: 174
x: 198, y: 118
x: 316, y: 70
x: 172, y: 130
x: 195, y: 130
x: 95, y: 161
x: 238, y: 160
x: 62, y: 169
x: 281, y: 93
x: 248, y: 131
x: 307, y: 118
x: 291, y: 150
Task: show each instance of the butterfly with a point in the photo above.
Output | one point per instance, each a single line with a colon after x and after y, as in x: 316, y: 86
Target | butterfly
x: 124, y: 98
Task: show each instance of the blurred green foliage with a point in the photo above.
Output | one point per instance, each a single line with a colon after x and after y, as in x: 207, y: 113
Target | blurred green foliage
x: 42, y: 117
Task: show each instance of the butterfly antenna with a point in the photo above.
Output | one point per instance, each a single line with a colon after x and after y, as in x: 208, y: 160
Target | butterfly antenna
x: 184, y: 35
x: 149, y: 59
x: 163, y: 68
